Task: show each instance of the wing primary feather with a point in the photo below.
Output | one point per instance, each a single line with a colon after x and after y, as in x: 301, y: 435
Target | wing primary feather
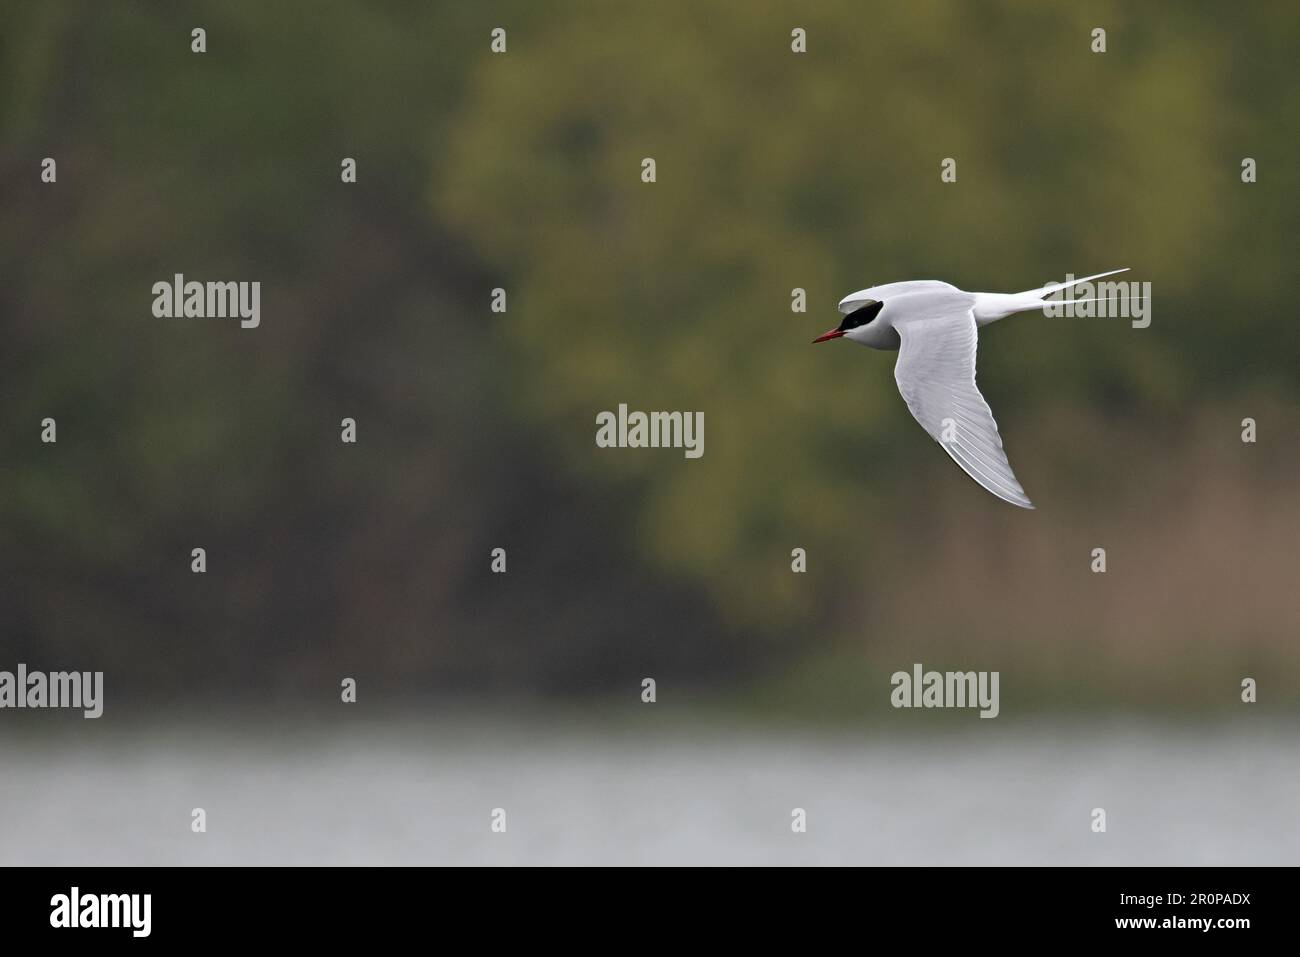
x: 936, y: 377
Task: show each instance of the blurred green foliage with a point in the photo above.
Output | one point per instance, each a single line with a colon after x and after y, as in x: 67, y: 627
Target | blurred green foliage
x: 775, y: 170
x: 821, y: 171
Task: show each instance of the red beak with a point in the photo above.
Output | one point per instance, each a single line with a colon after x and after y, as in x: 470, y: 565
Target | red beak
x: 833, y: 334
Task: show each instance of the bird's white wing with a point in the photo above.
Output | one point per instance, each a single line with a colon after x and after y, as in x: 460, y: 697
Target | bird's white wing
x: 936, y: 375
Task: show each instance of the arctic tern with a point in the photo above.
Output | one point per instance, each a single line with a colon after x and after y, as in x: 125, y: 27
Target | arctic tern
x: 933, y: 325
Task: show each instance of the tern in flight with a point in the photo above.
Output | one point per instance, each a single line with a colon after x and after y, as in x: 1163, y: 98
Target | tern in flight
x: 933, y: 326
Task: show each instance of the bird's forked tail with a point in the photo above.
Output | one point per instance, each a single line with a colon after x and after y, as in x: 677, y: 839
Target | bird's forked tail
x: 991, y: 306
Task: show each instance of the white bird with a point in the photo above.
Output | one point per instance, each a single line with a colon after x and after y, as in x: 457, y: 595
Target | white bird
x: 933, y: 326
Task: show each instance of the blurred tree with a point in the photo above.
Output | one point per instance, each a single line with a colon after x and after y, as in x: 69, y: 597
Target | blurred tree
x: 174, y: 434
x: 778, y: 170
x: 521, y: 171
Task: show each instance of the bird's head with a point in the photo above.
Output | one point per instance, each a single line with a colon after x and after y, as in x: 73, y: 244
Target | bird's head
x: 857, y: 313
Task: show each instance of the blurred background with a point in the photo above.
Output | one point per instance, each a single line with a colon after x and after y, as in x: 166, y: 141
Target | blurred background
x: 522, y: 170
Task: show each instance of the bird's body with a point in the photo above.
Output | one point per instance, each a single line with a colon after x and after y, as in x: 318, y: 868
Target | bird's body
x: 933, y: 325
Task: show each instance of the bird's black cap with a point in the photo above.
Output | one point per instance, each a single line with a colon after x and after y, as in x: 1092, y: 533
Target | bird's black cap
x: 860, y: 317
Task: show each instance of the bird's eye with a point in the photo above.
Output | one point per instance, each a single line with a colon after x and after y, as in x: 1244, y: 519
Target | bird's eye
x: 862, y: 315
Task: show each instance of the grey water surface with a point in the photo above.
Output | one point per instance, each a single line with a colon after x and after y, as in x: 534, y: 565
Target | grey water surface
x: 420, y: 791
